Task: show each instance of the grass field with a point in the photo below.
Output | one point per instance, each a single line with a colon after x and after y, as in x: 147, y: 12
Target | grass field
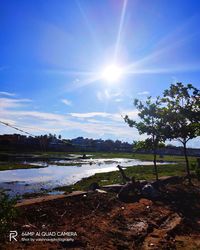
x: 14, y: 165
x: 139, y: 172
x: 144, y: 157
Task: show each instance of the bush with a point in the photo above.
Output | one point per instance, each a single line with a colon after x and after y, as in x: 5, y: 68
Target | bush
x: 197, y: 170
x: 7, y: 213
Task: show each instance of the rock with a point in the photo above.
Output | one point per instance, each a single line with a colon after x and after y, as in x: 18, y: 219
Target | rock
x: 113, y: 187
x: 101, y: 191
x: 93, y: 186
x: 149, y: 191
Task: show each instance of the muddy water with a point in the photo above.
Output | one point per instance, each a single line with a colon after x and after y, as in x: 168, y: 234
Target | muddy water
x: 22, y: 181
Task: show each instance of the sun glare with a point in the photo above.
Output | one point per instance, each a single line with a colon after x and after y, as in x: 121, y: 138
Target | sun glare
x: 112, y: 73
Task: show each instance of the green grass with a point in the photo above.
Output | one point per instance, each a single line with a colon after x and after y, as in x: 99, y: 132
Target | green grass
x: 97, y: 155
x: 11, y: 166
x: 140, y: 173
x: 144, y: 157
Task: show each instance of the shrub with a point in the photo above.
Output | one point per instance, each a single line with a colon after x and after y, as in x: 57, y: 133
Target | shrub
x: 197, y: 170
x: 7, y: 213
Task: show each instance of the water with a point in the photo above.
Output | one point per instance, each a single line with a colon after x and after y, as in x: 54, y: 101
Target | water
x: 47, y: 177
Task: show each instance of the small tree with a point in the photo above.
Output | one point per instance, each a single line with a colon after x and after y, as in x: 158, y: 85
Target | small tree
x: 151, y: 124
x: 182, y: 115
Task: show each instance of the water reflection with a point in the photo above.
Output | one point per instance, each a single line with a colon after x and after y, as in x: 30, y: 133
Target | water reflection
x: 50, y: 176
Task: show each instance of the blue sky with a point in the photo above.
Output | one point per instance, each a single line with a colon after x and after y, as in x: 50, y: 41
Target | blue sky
x: 53, y: 54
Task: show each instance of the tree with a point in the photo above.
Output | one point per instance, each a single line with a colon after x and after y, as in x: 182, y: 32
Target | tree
x: 182, y: 115
x: 151, y: 124
x: 146, y: 145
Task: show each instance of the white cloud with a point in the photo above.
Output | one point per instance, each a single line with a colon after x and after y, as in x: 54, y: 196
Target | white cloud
x: 7, y: 93
x: 118, y: 100
x: 36, y: 114
x: 108, y: 95
x: 132, y: 113
x: 102, y: 95
x: 37, y: 122
x: 8, y: 121
x: 66, y: 102
x: 12, y: 103
x: 90, y: 114
x: 91, y: 124
x: 144, y: 93
x: 106, y: 125
x: 110, y: 117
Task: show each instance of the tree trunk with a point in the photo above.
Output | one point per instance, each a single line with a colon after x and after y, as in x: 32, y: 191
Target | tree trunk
x: 187, y: 162
x: 124, y: 177
x: 155, y: 165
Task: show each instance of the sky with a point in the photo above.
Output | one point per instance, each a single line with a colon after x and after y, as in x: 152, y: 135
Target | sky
x: 74, y: 67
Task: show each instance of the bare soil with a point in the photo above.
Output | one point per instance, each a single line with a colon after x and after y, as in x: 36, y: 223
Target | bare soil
x: 101, y: 221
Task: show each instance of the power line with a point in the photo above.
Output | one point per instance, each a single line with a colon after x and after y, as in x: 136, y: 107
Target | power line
x: 17, y: 128
x: 23, y: 131
x: 11, y: 126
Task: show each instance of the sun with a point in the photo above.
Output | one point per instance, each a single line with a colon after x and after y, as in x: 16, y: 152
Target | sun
x: 112, y: 73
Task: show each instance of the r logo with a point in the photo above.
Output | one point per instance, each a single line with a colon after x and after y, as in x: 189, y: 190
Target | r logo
x: 13, y: 235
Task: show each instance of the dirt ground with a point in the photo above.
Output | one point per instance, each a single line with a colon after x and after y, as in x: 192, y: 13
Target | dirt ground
x: 101, y: 221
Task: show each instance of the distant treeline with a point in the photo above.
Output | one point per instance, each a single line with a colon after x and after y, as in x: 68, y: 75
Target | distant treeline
x: 17, y: 142
x: 22, y: 143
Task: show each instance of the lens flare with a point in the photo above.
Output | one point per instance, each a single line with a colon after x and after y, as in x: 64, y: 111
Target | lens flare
x: 112, y: 73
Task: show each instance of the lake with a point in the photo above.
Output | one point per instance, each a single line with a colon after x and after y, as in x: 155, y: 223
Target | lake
x: 49, y: 176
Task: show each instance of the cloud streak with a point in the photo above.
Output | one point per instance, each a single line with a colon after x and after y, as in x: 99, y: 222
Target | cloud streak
x: 90, y: 124
x: 109, y: 96
x: 12, y: 103
x: 93, y: 124
x: 7, y: 93
x: 144, y: 93
x: 66, y: 102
